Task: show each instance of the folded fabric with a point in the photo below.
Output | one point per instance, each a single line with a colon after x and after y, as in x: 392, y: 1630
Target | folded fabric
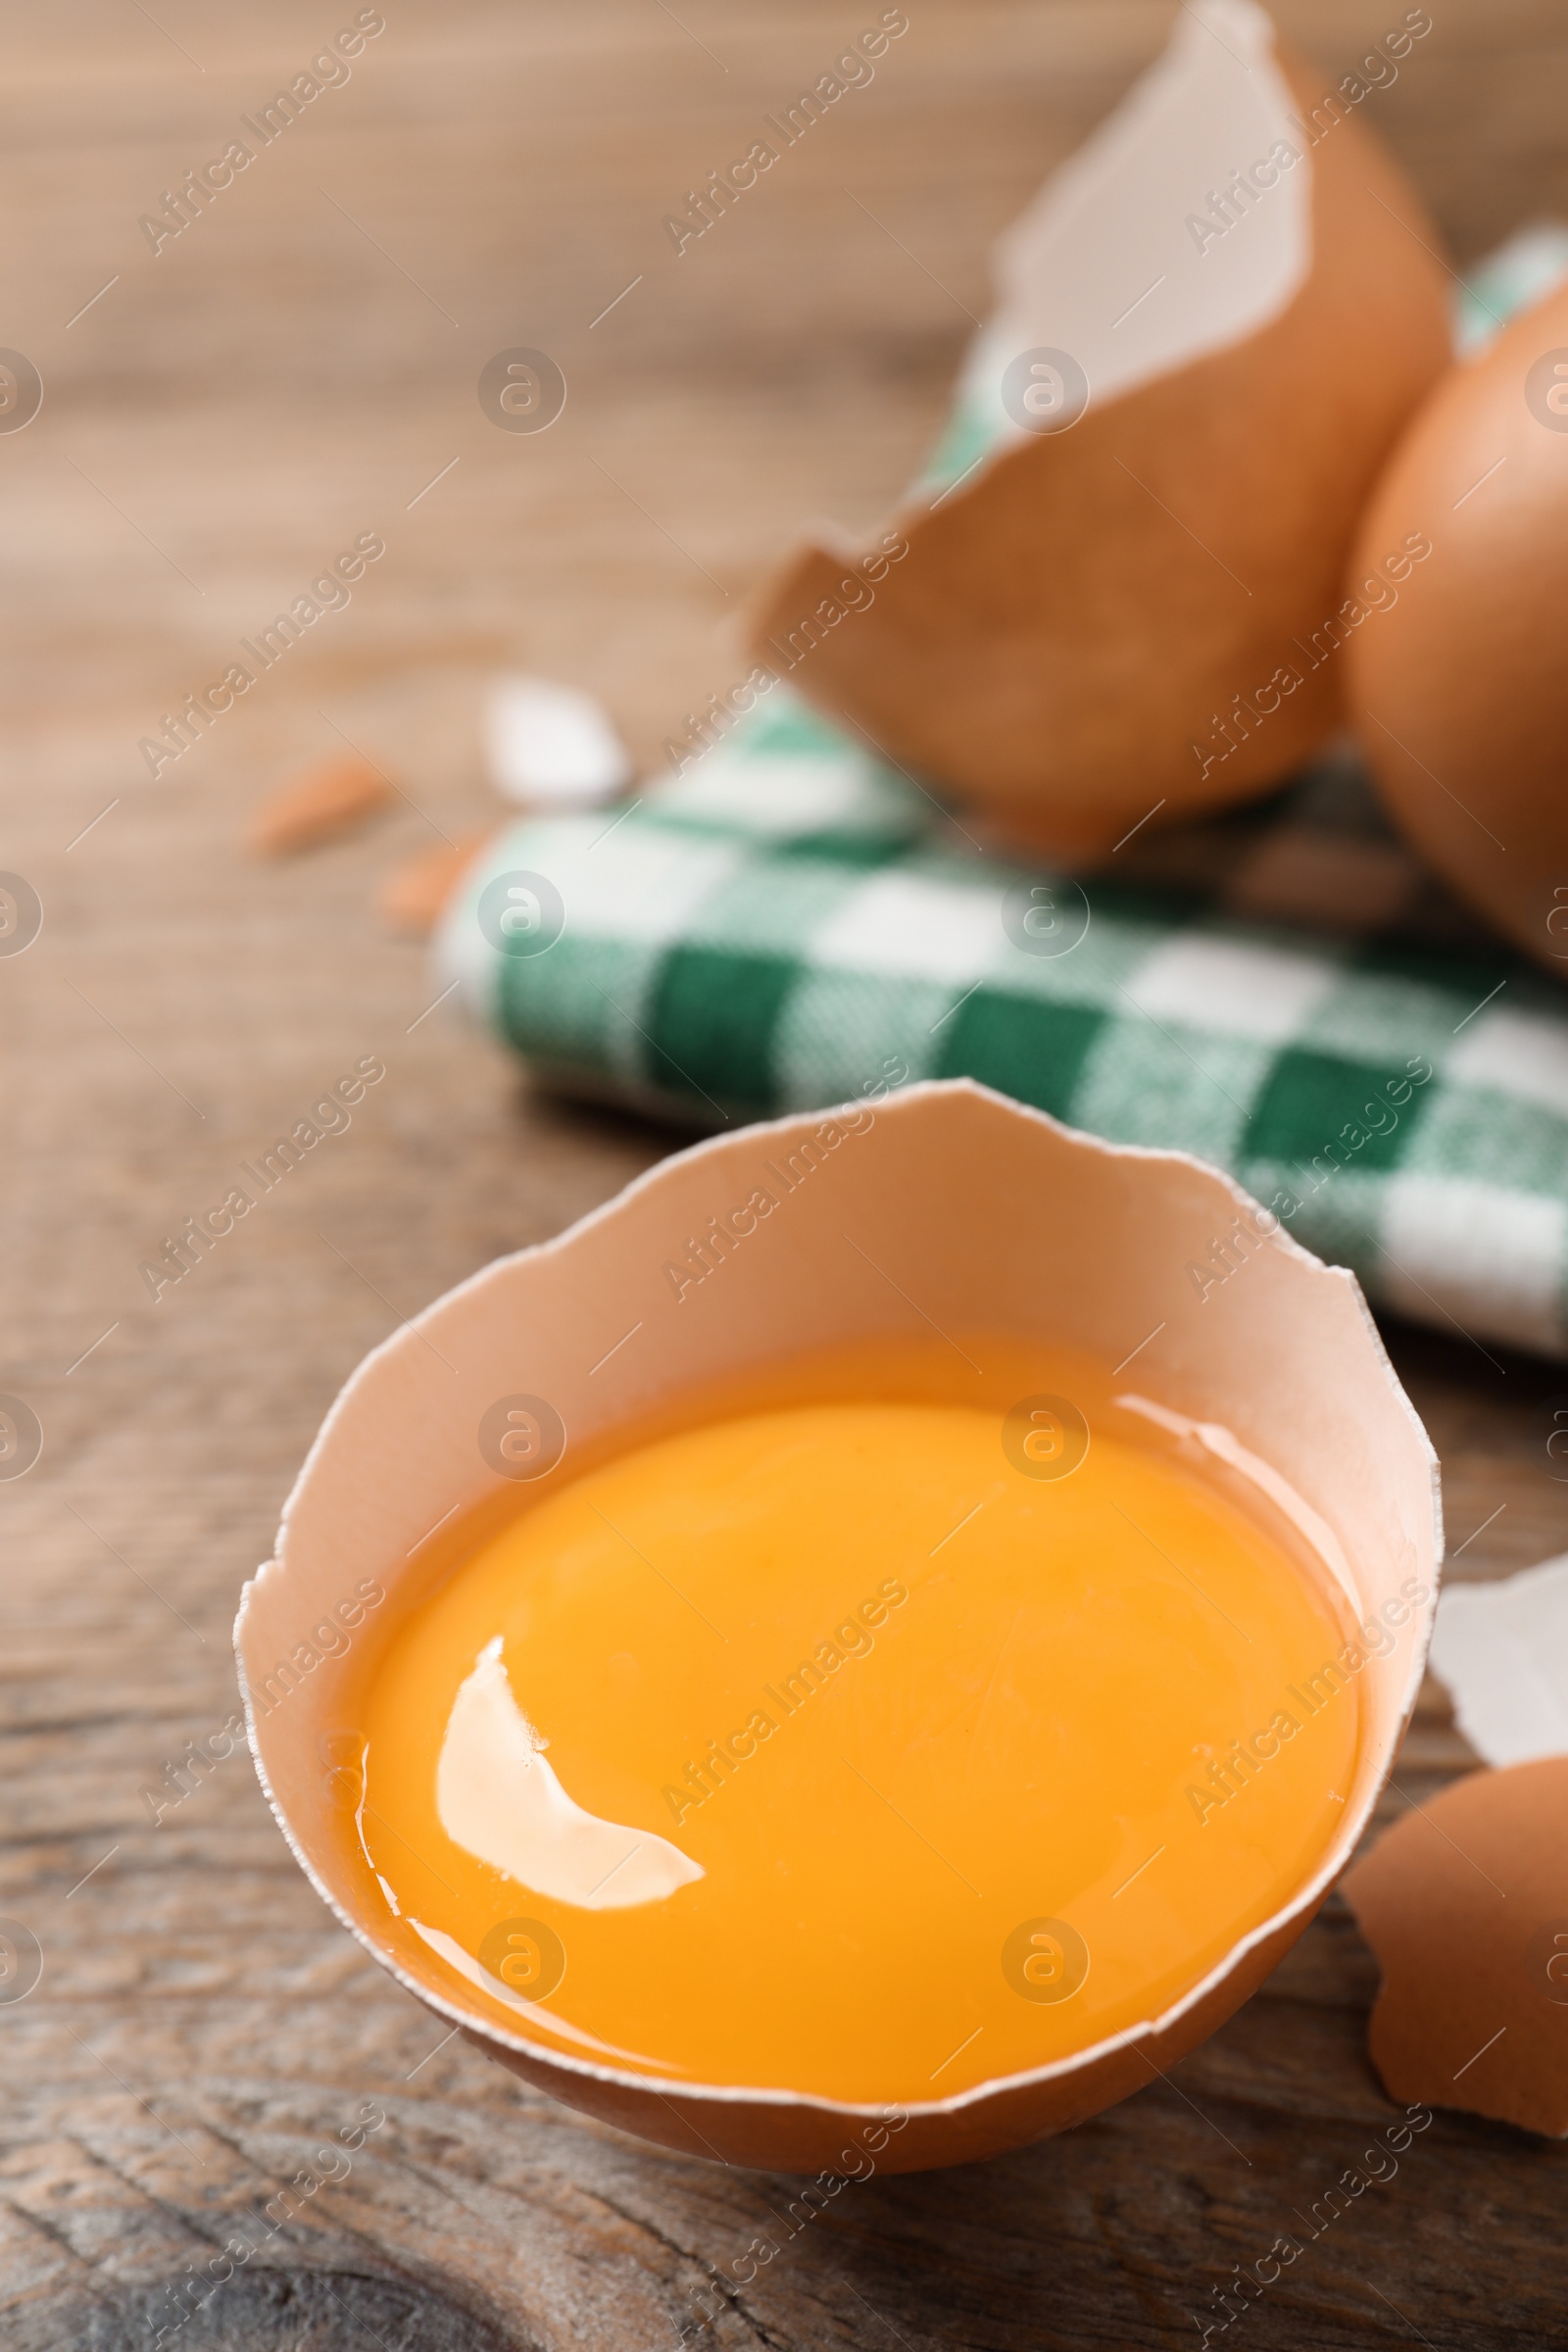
x: 791, y: 923
x: 1283, y: 990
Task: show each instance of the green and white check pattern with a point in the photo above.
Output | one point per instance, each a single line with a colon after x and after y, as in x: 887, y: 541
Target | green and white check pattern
x: 791, y: 921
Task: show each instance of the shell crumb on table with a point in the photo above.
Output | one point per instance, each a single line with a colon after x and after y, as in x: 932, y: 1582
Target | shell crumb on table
x: 321, y: 802
x: 411, y: 896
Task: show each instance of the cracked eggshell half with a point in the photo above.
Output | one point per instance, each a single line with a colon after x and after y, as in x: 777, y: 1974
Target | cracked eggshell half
x: 992, y: 1217
x: 1459, y: 693
x: 1213, y: 321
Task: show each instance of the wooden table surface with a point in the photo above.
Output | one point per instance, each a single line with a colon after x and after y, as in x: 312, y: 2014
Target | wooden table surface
x: 220, y: 417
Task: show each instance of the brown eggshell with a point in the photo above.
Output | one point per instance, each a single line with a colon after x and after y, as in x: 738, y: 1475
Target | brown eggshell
x: 1465, y: 1903
x: 1065, y: 629
x: 411, y: 896
x: 978, y: 1214
x: 1459, y: 693
x: 329, y: 799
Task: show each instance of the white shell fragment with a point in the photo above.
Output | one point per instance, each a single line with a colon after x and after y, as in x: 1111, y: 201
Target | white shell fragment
x: 552, y: 746
x: 1503, y: 1651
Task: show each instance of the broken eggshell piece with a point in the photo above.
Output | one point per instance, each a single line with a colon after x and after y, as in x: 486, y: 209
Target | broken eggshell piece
x: 978, y: 1214
x: 1213, y: 321
x: 331, y: 798
x: 552, y: 746
x: 1501, y: 1648
x: 1465, y: 1903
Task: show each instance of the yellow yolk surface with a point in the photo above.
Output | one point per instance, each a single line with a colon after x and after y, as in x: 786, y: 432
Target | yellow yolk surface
x: 867, y: 1747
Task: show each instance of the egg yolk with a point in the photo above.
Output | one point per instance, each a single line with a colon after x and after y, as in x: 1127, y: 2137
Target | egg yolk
x: 870, y: 1746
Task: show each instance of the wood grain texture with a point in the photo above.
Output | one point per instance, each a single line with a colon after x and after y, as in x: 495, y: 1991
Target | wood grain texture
x: 223, y: 419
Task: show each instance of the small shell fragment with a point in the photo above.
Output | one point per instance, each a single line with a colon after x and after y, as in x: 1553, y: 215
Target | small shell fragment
x: 414, y: 894
x: 550, y: 747
x: 1465, y: 1903
x: 329, y: 799
x: 1502, y: 1650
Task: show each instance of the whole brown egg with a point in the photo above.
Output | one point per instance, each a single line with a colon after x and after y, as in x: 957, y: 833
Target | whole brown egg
x: 1458, y: 670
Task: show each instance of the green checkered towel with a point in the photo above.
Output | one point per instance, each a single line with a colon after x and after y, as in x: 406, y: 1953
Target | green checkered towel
x: 792, y: 922
x: 1282, y: 991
